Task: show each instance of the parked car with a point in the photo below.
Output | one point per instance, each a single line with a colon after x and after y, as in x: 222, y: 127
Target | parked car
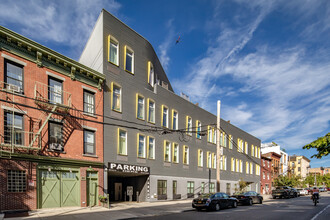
x: 321, y: 189
x: 282, y: 192
x: 295, y: 193
x: 214, y: 201
x: 302, y: 192
x: 248, y: 198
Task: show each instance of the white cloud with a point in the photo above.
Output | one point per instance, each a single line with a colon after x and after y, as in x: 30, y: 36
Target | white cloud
x: 68, y: 23
x: 166, y: 45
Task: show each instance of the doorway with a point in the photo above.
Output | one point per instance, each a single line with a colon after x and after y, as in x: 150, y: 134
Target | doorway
x: 92, y: 183
x: 118, y: 191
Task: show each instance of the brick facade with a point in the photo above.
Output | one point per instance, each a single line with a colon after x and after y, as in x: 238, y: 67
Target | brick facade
x: 266, y: 175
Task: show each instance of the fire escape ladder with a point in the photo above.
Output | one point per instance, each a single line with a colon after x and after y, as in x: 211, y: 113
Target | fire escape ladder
x: 42, y: 126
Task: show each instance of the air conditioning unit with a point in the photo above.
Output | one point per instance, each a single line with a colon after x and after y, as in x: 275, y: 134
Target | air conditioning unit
x: 56, y: 146
x: 13, y: 88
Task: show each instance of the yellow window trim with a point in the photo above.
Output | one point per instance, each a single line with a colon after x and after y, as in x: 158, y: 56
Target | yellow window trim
x: 163, y: 116
x: 148, y: 137
x: 207, y: 159
x: 125, y: 50
x: 183, y: 153
x: 112, y: 84
x: 115, y: 40
x: 187, y: 129
x: 136, y: 107
x: 118, y: 140
x: 137, y: 146
x: 200, y: 163
x: 173, y: 110
x: 173, y: 146
x: 149, y: 66
x: 148, y: 102
x: 200, y: 136
x: 169, y: 158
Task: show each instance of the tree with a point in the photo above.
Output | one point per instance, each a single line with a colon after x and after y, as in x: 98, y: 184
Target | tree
x: 322, y: 145
x: 293, y: 181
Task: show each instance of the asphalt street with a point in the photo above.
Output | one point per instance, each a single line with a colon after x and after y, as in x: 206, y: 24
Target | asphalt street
x: 295, y: 208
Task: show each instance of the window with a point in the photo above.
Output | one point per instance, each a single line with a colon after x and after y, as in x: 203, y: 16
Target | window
x: 151, y: 74
x: 299, y: 161
x: 14, y: 76
x: 129, y: 60
x: 214, y: 161
x: 185, y: 155
x: 231, y: 142
x: 232, y: 164
x: 212, y: 135
x: 252, y: 150
x: 212, y: 187
x: 221, y: 139
x: 55, y: 136
x: 256, y: 151
x: 116, y: 97
x: 198, y: 129
x: 174, y: 120
x: 237, y: 165
x: 14, y: 132
x: 151, y: 148
x: 247, y: 167
x: 263, y: 175
x: 89, y: 102
x: 202, y: 187
x: 240, y: 166
x: 268, y: 163
x: 139, y: 107
x: 209, y: 134
x: 225, y: 140
x: 165, y: 116
x: 214, y: 139
x: 161, y: 187
x: 189, y: 125
x: 263, y: 162
x: 257, y: 170
x: 246, y: 147
x: 175, y: 153
x: 251, y: 168
x: 267, y: 176
x: 240, y: 145
x: 16, y: 181
x: 151, y: 111
x: 113, y: 50
x: 89, y: 142
x: 224, y: 162
x: 141, y: 146
x: 209, y: 159
x: 221, y: 163
x: 167, y: 151
x: 122, y: 142
x: 55, y: 91
x: 190, y: 187
x: 200, y: 158
x: 175, y: 187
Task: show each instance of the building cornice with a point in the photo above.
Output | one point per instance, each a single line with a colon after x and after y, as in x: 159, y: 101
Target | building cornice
x: 45, y: 57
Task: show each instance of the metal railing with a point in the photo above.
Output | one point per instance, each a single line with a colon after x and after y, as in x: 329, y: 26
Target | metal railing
x: 12, y: 138
x: 51, y: 95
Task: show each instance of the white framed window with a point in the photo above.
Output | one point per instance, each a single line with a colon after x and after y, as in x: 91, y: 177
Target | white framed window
x: 151, y: 111
x: 214, y: 161
x: 165, y: 116
x: 139, y: 107
x: 185, y: 155
x: 189, y: 126
x: 151, y: 147
x: 175, y: 153
x: 240, y: 166
x: 247, y: 166
x: 198, y: 129
x: 175, y: 119
x: 221, y: 138
x: 89, y: 142
x: 89, y: 102
x: 209, y: 134
x: 113, y: 50
x: 151, y: 74
x: 141, y: 148
x: 209, y: 159
x: 232, y: 164
x: 116, y: 97
x: 231, y: 139
x: 225, y: 140
x: 224, y: 163
x: 129, y: 60
x: 167, y: 151
x: 237, y: 165
x: 200, y: 158
x: 246, y: 147
x: 122, y: 142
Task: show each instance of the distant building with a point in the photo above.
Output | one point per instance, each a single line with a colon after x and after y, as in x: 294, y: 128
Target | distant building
x: 275, y: 160
x: 319, y: 170
x: 299, y: 165
x: 273, y: 147
x: 266, y: 175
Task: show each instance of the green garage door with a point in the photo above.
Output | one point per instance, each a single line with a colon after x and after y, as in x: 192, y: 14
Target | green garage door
x: 58, y: 189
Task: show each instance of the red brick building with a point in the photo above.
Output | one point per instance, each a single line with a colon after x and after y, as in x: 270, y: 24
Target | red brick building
x: 275, y: 165
x: 51, y: 128
x: 266, y: 175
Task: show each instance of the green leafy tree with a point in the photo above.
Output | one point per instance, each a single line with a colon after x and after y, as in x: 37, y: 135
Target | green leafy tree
x: 293, y: 181
x: 322, y: 145
x: 320, y: 180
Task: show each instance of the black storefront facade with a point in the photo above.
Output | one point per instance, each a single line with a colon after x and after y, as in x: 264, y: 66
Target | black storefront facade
x: 127, y: 182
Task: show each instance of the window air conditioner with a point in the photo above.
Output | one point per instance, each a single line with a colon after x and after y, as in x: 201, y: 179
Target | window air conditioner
x: 13, y: 88
x: 55, y: 146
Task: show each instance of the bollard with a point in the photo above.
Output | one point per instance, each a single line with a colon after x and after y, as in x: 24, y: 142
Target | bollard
x: 137, y: 196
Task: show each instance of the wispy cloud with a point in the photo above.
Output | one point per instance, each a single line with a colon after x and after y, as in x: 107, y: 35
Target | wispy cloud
x: 68, y: 23
x: 166, y: 45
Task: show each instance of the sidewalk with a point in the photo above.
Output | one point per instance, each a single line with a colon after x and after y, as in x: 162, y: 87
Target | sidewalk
x: 115, y: 210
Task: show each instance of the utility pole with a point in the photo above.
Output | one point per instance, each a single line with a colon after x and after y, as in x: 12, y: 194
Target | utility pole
x: 219, y: 150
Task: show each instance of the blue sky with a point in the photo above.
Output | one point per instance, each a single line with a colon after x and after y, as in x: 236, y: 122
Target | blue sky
x: 267, y: 61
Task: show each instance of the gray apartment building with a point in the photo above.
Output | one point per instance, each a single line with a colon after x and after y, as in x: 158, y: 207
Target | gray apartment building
x: 157, y: 144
